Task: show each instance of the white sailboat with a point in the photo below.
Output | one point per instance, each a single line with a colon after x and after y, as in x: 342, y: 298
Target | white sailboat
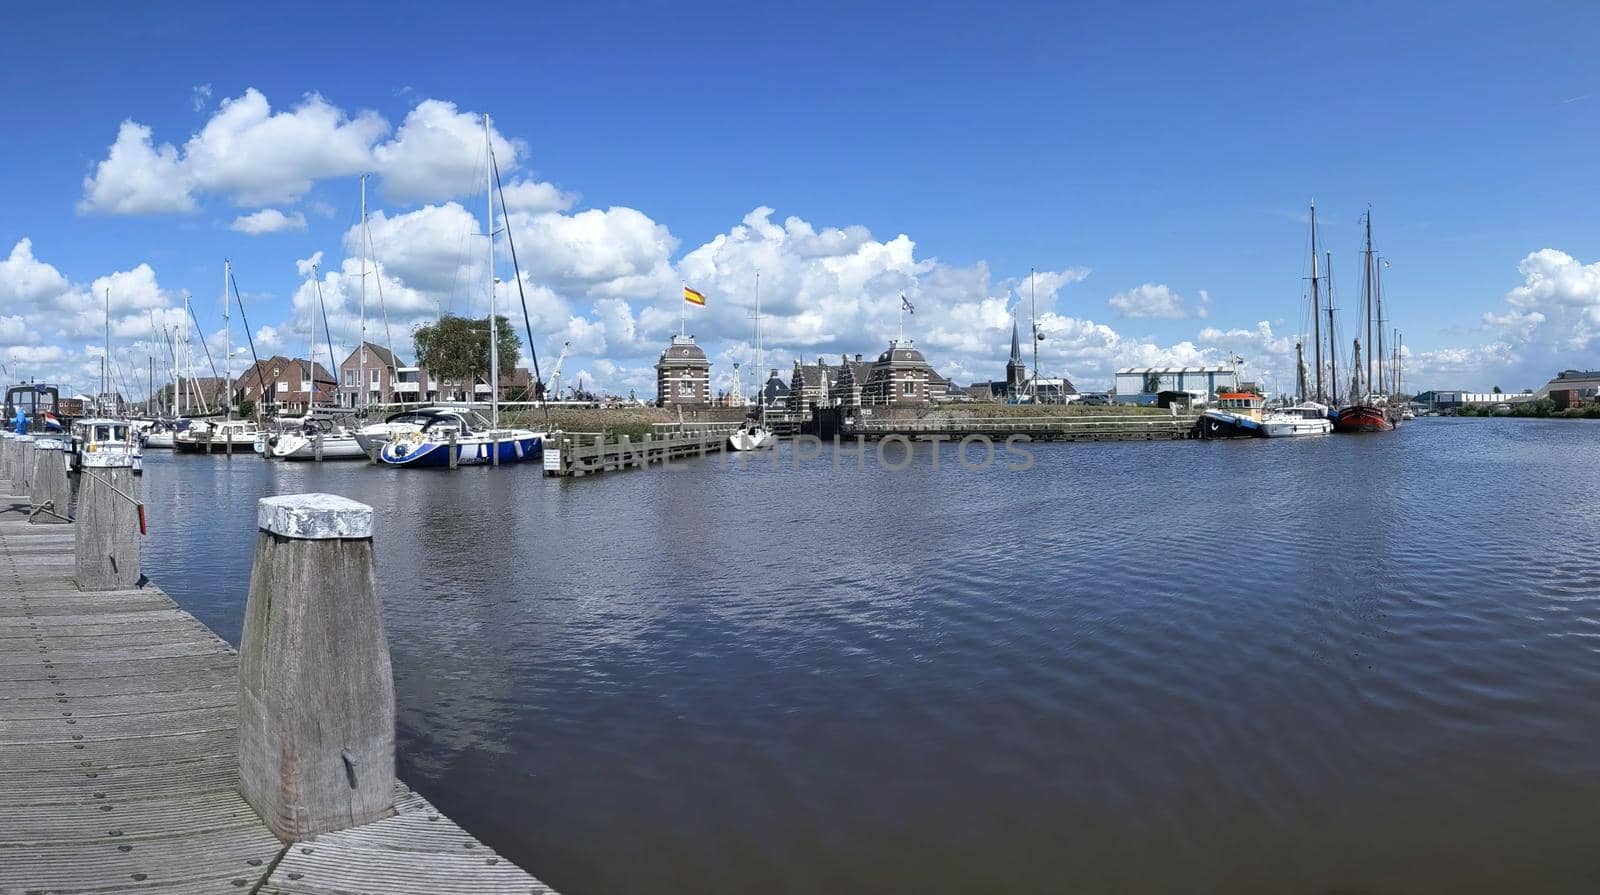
x: 754, y: 435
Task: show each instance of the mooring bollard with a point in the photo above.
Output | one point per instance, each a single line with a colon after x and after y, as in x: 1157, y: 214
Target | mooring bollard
x: 319, y: 447
x: 51, y: 492
x: 22, y: 469
x: 373, y: 450
x: 228, y: 438
x: 316, y: 694
x: 6, y: 447
x: 455, y: 454
x: 107, y: 535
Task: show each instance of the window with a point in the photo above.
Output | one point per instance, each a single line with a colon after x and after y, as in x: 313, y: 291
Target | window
x: 909, y: 388
x: 350, y: 378
x: 375, y: 377
x: 686, y: 389
x: 283, y: 386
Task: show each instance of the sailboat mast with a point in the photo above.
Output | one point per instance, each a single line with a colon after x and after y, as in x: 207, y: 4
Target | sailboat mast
x: 227, y: 344
x: 1033, y: 322
x: 1377, y: 296
x: 184, y: 370
x: 761, y: 358
x: 494, y: 340
x: 1333, y: 345
x: 104, y: 385
x: 1366, y: 299
x: 361, y: 350
x: 1316, y: 303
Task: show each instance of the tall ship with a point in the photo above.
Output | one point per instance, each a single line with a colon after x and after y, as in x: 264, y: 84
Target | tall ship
x: 1370, y: 408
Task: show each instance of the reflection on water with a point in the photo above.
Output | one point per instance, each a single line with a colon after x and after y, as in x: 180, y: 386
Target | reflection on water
x: 1362, y: 664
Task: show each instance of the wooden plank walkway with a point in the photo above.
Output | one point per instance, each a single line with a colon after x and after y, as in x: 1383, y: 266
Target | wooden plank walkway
x: 119, y: 764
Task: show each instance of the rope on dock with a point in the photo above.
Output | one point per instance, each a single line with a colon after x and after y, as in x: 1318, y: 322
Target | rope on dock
x: 48, y: 508
x: 137, y: 503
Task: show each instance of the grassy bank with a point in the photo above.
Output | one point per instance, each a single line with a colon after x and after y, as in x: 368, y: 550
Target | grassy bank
x: 1543, y: 408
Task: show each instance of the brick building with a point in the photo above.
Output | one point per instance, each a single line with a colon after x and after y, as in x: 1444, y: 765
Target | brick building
x: 292, y: 385
x: 683, y: 375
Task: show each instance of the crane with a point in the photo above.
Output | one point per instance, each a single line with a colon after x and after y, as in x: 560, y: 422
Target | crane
x: 555, y: 374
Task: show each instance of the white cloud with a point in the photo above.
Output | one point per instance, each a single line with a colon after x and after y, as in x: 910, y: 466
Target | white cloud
x: 534, y: 197
x: 1150, y: 300
x: 137, y: 177
x: 268, y: 220
x: 438, y: 153
x: 617, y: 252
x: 200, y: 97
x: 25, y: 279
x: 261, y: 157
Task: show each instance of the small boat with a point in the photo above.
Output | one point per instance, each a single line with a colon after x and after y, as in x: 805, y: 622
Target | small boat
x: 1234, y: 415
x: 105, y: 436
x: 1406, y: 413
x: 160, y: 435
x: 1305, y: 418
x: 449, y: 433
x: 754, y: 435
x: 202, y: 435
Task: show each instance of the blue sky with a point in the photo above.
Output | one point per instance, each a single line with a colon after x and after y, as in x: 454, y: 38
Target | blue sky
x: 1168, y: 146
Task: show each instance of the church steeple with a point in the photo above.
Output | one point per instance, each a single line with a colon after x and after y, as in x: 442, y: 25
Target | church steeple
x: 1016, y: 370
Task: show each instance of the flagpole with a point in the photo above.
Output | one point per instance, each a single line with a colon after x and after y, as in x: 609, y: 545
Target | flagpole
x: 900, y: 324
x: 683, y: 308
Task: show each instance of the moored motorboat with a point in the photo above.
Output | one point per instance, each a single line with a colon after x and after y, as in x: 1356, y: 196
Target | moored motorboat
x: 1305, y: 418
x: 105, y: 436
x: 1234, y: 415
x: 207, y: 435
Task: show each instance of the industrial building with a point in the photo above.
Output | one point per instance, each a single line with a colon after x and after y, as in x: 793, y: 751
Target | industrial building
x: 1144, y: 385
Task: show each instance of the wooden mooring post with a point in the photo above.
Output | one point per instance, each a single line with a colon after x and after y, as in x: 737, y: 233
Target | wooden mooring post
x: 107, y: 534
x: 22, y: 470
x: 51, y: 494
x: 316, y: 693
x: 6, y: 449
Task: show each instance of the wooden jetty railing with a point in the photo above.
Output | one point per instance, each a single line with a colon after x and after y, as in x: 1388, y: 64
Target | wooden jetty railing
x: 140, y: 753
x: 1087, y: 427
x: 581, y: 453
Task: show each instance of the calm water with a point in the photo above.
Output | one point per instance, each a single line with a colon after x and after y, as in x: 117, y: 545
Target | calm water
x: 1340, y: 665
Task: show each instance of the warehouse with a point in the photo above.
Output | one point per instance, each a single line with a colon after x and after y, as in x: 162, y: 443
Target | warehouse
x: 1143, y: 385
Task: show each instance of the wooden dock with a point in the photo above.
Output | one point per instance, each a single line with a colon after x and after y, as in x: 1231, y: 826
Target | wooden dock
x: 580, y: 454
x: 119, y: 756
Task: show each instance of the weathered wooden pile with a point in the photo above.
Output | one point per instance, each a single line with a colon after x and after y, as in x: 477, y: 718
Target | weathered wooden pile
x: 139, y: 752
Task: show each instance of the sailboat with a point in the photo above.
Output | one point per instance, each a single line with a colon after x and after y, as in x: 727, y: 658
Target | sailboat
x: 1368, y: 410
x: 754, y: 435
x: 450, y: 440
x: 311, y: 437
x: 1311, y: 415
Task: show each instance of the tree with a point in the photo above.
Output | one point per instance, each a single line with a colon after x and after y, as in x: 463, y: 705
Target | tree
x: 247, y: 408
x: 1497, y: 389
x: 457, y: 348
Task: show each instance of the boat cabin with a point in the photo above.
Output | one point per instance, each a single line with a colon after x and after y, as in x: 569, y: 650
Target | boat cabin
x: 97, y: 434
x: 1241, y: 403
